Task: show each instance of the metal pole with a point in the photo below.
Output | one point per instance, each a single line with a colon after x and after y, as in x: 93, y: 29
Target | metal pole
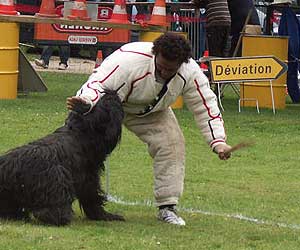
x: 219, y: 96
x: 272, y: 96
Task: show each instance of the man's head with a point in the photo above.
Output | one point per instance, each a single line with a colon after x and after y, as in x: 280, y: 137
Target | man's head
x: 170, y: 50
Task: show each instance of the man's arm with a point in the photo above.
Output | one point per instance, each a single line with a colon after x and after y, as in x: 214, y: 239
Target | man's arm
x: 201, y: 100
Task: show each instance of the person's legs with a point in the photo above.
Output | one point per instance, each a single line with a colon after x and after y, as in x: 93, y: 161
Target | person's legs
x: 46, y: 54
x: 45, y: 57
x: 234, y: 42
x: 217, y: 37
x: 161, y: 132
x: 64, y: 54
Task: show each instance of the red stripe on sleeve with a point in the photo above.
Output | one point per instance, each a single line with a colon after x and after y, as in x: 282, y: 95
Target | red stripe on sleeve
x: 133, y: 82
x: 89, y: 85
x: 204, y: 101
x: 135, y: 52
x: 216, y: 141
x: 97, y: 92
x: 105, y: 78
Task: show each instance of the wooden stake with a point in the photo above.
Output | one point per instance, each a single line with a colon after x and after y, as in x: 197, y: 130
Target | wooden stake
x: 239, y: 146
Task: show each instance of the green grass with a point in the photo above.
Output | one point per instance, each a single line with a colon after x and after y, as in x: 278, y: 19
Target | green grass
x: 261, y: 182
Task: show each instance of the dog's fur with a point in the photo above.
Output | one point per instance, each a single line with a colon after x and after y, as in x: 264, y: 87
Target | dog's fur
x: 44, y: 177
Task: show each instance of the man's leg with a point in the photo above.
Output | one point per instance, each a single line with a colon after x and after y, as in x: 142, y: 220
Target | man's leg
x: 46, y: 54
x: 161, y: 132
x: 45, y: 57
x: 64, y: 54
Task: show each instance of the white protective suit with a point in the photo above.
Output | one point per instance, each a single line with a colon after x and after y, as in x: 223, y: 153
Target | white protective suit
x: 148, y: 113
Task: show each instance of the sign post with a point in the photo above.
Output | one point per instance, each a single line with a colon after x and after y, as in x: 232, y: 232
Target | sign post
x: 240, y: 69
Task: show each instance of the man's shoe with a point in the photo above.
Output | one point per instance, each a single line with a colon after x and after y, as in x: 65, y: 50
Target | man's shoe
x: 62, y: 66
x: 40, y: 63
x: 169, y: 215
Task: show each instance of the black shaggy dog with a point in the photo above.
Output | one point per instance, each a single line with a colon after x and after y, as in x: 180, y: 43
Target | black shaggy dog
x: 44, y: 177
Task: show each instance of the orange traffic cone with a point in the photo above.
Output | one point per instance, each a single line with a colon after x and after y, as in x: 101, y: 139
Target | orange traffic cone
x: 119, y: 14
x: 47, y: 9
x: 79, y: 11
x: 99, y: 59
x: 158, y: 16
x: 7, y: 7
x: 203, y: 65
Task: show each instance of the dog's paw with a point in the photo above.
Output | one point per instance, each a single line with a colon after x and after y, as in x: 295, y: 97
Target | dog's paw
x: 110, y: 217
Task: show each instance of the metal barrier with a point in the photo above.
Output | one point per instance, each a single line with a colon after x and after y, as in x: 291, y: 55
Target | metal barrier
x: 192, y: 22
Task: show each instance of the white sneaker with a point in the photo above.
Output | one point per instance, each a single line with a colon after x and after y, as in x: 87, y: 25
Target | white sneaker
x: 169, y: 215
x: 40, y: 63
x: 62, y: 66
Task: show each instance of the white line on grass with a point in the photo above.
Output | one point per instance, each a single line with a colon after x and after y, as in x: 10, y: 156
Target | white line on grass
x: 149, y: 203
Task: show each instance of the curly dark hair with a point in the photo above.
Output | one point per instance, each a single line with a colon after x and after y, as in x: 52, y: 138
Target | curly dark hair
x: 172, y: 46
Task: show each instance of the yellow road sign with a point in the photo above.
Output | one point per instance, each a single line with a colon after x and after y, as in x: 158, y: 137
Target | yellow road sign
x: 240, y: 69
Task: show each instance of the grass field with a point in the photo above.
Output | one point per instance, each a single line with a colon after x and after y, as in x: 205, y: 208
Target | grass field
x: 249, y: 202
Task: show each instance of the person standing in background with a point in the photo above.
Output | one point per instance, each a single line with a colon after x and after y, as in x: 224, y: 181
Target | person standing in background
x: 217, y: 25
x: 239, y: 10
x: 64, y: 55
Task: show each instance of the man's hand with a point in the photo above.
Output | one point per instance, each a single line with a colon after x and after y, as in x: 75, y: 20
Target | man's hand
x: 223, y: 150
x: 77, y: 104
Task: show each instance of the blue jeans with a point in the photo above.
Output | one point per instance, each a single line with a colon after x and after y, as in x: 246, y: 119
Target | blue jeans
x: 64, y: 54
